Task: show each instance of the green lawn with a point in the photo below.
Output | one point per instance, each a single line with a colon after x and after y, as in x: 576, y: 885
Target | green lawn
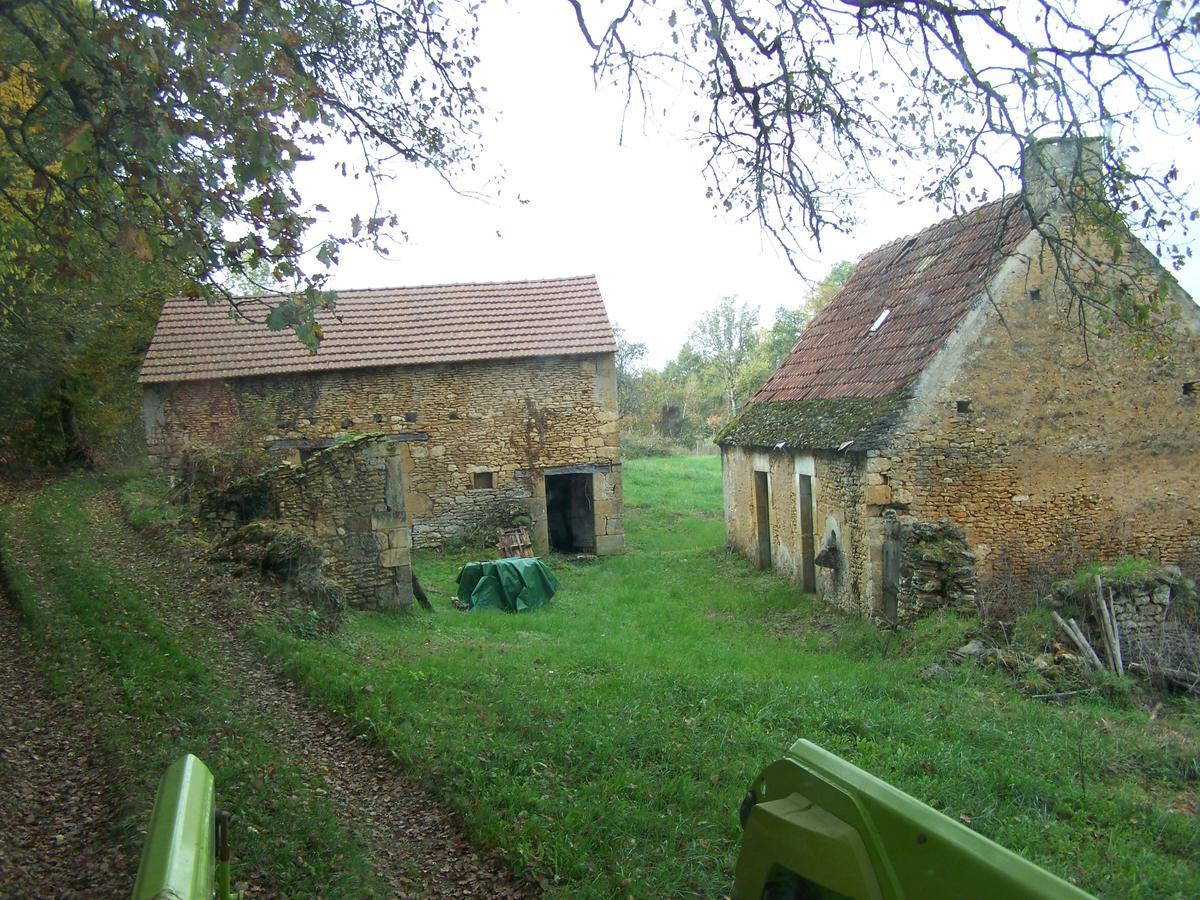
x: 603, y: 744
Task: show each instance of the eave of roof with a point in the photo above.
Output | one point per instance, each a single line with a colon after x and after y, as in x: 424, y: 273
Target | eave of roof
x: 849, y: 424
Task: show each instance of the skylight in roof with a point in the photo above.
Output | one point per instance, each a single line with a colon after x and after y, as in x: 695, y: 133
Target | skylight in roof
x: 878, y: 323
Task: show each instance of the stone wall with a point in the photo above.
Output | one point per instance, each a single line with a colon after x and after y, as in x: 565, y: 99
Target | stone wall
x: 350, y: 500
x: 836, y: 515
x: 935, y: 569
x: 1045, y: 450
x: 1140, y: 603
x: 480, y: 435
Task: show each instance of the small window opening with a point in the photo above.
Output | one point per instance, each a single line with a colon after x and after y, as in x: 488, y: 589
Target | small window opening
x: 347, y: 423
x: 963, y: 406
x: 377, y: 418
x: 1189, y: 388
x: 453, y: 416
x: 879, y: 320
x: 482, y: 481
x: 410, y: 417
x: 1035, y: 295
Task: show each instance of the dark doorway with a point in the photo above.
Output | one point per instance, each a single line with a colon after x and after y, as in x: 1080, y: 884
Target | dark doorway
x: 570, y: 513
x: 808, y: 571
x: 891, y: 570
x: 762, y: 518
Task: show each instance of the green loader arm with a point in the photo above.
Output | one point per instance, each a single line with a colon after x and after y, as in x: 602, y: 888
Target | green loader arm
x: 186, y: 855
x: 818, y: 827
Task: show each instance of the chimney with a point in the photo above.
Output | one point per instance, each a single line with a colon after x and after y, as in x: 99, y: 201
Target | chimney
x: 1061, y: 172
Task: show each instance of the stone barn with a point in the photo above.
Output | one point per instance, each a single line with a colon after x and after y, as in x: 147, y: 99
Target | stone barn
x: 497, y: 397
x: 943, y: 393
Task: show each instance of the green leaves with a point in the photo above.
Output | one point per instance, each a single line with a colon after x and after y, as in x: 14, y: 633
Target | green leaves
x: 167, y: 127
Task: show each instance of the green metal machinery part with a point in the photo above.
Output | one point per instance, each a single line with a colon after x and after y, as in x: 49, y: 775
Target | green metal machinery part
x: 180, y: 859
x: 818, y: 827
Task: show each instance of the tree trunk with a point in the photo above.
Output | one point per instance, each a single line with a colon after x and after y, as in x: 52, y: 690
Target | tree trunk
x: 76, y: 451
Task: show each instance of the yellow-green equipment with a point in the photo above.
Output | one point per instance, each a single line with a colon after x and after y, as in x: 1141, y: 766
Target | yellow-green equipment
x: 818, y: 827
x: 186, y: 856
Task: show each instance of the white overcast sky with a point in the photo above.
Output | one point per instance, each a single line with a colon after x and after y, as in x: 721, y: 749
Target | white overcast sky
x: 577, y: 199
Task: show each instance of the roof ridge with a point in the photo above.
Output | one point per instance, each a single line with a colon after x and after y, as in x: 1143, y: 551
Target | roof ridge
x: 416, y: 287
x: 954, y: 217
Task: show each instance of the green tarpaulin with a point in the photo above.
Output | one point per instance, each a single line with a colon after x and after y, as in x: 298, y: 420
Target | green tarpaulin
x: 512, y: 585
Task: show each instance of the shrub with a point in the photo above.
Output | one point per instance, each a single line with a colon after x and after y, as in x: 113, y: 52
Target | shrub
x: 205, y: 468
x: 147, y: 504
x: 639, y: 445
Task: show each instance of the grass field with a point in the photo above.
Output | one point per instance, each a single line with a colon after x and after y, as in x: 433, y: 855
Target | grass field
x: 603, y: 744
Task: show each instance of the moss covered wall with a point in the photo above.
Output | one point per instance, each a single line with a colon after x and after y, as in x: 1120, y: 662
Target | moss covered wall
x: 350, y: 500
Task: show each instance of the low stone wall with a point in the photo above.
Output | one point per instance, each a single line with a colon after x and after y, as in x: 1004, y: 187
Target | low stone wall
x: 349, y: 500
x: 1140, y: 604
x: 936, y: 569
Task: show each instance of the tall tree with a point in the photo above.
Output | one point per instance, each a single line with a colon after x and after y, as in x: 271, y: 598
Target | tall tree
x: 170, y: 130
x: 725, y: 337
x: 629, y: 357
x: 825, y: 289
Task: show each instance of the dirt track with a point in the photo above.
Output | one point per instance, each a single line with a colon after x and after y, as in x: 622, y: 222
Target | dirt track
x: 56, y: 793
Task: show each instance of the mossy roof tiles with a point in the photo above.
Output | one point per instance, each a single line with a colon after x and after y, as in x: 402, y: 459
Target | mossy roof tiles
x: 389, y: 327
x: 843, y: 382
x: 928, y: 282
x: 837, y: 423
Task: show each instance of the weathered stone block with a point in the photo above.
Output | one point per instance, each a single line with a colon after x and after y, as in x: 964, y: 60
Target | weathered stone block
x: 395, y: 556
x: 607, y: 507
x: 879, y: 494
x: 610, y: 544
x: 385, y: 521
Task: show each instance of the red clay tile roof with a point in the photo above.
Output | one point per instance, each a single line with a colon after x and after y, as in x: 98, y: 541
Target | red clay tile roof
x: 928, y: 282
x: 388, y: 327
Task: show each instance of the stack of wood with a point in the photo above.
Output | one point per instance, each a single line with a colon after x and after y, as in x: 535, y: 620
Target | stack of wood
x: 1109, y: 631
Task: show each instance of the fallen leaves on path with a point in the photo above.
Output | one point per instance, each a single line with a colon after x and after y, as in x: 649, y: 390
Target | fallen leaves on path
x: 57, y: 806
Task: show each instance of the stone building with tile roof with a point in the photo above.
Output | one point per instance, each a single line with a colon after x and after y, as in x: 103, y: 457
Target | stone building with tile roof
x: 943, y: 382
x: 498, y: 396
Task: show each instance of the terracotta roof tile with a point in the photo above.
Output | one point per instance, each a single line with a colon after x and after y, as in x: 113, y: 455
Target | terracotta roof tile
x: 388, y: 327
x: 928, y: 282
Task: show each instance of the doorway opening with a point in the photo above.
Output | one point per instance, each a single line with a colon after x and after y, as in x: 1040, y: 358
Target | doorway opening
x: 808, y: 571
x: 762, y: 518
x: 570, y: 513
